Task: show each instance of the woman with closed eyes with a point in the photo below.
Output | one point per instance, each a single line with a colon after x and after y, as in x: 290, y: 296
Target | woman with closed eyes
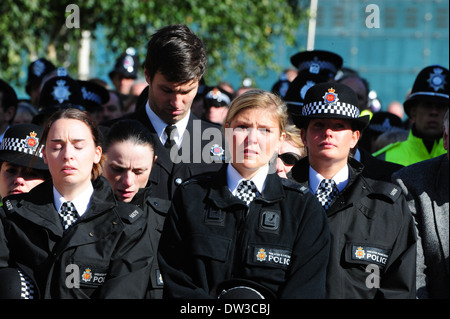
x: 69, y: 235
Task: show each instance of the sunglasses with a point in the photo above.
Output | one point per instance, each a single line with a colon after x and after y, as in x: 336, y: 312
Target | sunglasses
x: 289, y: 158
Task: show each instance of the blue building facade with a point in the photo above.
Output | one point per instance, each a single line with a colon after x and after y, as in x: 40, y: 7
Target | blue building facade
x: 408, y: 36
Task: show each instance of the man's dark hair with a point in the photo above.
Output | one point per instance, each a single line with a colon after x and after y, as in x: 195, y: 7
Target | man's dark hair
x: 177, y: 53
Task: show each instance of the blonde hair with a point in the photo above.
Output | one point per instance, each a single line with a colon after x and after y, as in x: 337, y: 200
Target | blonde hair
x: 293, y: 136
x: 259, y: 99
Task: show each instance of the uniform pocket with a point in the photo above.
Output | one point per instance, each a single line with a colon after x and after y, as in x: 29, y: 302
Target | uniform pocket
x: 214, y: 247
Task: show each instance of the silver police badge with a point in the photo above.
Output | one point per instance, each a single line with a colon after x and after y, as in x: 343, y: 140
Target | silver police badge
x: 38, y: 68
x: 217, y: 152
x: 61, y: 92
x: 437, y: 79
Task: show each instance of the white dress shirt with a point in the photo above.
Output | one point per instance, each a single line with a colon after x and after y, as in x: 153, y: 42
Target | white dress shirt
x: 234, y: 178
x: 81, y: 202
x: 341, y: 179
x: 160, y: 126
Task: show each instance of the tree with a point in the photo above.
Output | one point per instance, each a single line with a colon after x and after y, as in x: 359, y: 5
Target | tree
x: 236, y: 33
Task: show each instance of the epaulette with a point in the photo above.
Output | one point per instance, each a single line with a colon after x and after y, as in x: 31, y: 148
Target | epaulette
x: 387, y: 190
x: 128, y: 212
x: 294, y: 185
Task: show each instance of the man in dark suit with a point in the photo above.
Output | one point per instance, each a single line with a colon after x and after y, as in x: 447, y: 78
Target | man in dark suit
x: 185, y: 145
x: 426, y: 185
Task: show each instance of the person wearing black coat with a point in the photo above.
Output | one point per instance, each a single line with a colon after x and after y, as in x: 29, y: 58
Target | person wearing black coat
x: 244, y: 231
x: 69, y: 236
x: 129, y: 157
x: 373, y: 238
x: 175, y: 63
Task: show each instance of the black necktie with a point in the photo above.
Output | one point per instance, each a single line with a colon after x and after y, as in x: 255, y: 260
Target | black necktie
x: 170, y: 131
x: 326, y: 192
x: 247, y: 191
x: 68, y: 214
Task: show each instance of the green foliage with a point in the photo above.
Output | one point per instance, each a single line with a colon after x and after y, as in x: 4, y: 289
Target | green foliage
x: 236, y: 32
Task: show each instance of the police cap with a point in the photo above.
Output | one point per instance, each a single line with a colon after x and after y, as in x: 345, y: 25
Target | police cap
x: 318, y: 61
x: 37, y: 70
x: 431, y: 85
x: 332, y: 101
x: 127, y: 65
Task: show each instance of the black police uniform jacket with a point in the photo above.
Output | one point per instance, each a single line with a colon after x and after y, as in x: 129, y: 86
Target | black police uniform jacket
x: 281, y: 241
x: 107, y: 251
x: 373, y: 239
x: 194, y: 159
x: 156, y: 211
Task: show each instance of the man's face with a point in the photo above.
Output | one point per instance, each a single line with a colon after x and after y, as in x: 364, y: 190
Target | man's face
x: 428, y: 118
x: 170, y: 101
x: 122, y: 84
x: 111, y: 110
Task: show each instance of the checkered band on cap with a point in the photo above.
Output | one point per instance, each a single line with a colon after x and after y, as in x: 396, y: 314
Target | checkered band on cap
x: 91, y: 96
x: 338, y: 108
x: 20, y: 145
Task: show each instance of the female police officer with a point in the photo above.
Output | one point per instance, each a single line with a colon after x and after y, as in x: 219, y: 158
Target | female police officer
x: 373, y: 242
x: 245, y: 222
x: 69, y: 234
x: 129, y: 152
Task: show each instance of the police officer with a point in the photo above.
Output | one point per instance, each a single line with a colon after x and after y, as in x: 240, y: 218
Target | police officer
x: 373, y: 240
x: 245, y: 223
x: 184, y: 144
x: 125, y: 71
x: 8, y: 107
x: 425, y: 107
x: 129, y: 150
x: 94, y: 97
x: 69, y: 235
x: 37, y: 70
x: 59, y: 91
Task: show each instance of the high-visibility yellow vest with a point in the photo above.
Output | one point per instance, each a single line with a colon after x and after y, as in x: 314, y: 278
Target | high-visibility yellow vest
x: 410, y: 151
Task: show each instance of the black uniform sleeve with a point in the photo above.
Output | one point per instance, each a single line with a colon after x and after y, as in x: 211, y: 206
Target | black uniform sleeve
x: 131, y: 263
x: 399, y: 279
x: 174, y: 258
x: 307, y: 270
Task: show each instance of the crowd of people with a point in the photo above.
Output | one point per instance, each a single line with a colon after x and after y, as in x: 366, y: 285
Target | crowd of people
x: 172, y: 188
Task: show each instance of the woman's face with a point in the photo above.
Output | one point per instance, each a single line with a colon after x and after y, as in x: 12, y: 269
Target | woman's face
x: 254, y: 136
x: 127, y: 168
x: 70, y: 153
x: 17, y: 179
x: 329, y: 140
x: 287, y: 147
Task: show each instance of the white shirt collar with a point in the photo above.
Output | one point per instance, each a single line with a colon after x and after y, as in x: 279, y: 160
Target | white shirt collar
x: 160, y: 125
x: 81, y: 202
x: 234, y: 178
x: 341, y: 179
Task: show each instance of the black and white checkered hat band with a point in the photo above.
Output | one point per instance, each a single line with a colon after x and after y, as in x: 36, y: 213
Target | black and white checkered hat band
x: 337, y: 108
x: 91, y: 96
x: 19, y: 145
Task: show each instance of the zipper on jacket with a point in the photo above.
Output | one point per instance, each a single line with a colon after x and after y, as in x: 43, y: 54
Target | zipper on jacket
x: 239, y: 238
